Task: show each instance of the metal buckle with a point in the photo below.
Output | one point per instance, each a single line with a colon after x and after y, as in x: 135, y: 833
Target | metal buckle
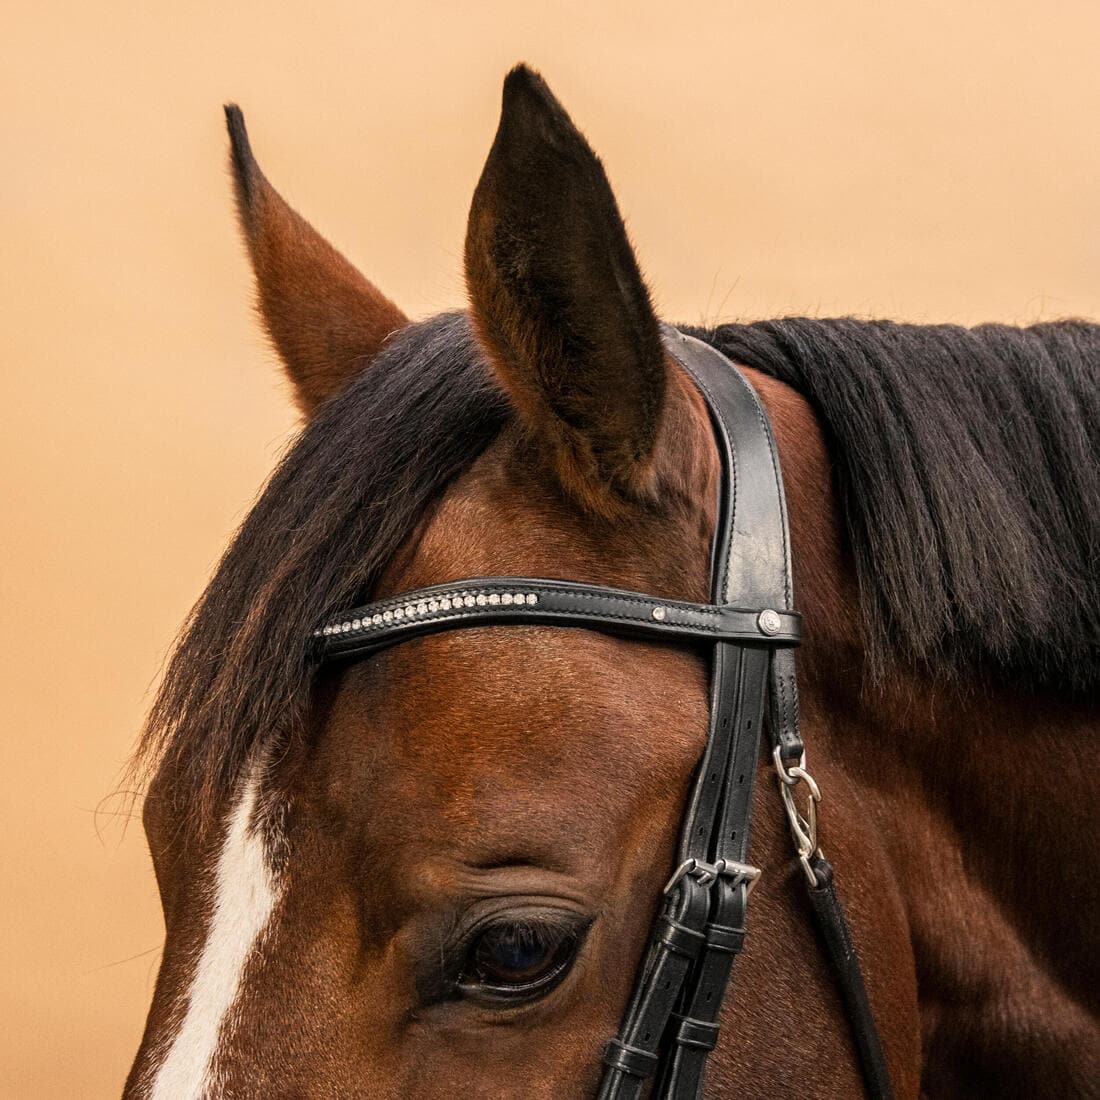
x: 803, y: 825
x: 707, y: 873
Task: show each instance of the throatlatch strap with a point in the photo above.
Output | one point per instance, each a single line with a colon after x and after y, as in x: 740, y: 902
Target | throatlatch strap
x: 832, y: 924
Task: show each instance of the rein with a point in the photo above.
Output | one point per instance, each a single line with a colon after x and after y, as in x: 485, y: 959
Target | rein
x: 671, y: 1021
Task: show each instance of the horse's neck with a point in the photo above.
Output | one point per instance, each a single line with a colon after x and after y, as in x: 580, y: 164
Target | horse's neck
x: 979, y: 799
x: 982, y: 803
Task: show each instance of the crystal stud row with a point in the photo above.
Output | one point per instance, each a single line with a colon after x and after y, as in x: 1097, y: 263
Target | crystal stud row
x: 410, y: 612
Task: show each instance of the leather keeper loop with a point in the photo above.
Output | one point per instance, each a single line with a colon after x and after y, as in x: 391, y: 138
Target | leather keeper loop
x: 680, y: 939
x: 631, y: 1060
x: 728, y: 940
x: 695, y: 1033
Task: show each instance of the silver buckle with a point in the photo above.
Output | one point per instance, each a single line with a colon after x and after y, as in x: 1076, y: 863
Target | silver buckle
x: 706, y: 873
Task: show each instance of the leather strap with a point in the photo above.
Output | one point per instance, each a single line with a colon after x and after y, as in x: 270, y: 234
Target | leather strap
x: 754, y: 558
x: 750, y: 563
x: 832, y: 925
x: 492, y: 600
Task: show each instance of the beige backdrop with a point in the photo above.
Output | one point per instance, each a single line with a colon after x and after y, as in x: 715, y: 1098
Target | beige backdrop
x: 926, y: 160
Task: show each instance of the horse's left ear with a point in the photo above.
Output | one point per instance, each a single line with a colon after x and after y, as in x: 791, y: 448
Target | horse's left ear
x: 559, y: 303
x: 324, y: 318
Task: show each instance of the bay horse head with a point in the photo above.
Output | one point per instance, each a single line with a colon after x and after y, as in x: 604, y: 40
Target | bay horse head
x: 435, y: 871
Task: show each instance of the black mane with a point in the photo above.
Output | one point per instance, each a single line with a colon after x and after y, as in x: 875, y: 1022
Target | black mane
x: 967, y: 462
x: 965, y: 459
x: 352, y: 487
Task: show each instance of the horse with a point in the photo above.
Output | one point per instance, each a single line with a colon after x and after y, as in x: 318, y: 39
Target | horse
x: 434, y: 871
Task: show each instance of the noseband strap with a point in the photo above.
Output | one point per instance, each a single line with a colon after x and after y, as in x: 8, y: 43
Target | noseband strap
x: 671, y: 1021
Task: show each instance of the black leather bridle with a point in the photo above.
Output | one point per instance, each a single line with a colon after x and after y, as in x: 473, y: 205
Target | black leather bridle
x: 671, y: 1022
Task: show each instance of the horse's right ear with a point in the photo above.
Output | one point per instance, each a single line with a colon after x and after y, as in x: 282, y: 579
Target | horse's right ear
x: 324, y: 318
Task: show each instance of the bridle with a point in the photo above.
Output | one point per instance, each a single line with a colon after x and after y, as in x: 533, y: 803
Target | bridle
x: 670, y: 1024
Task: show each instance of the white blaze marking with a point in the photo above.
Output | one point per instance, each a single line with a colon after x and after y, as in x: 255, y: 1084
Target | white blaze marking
x: 245, y: 893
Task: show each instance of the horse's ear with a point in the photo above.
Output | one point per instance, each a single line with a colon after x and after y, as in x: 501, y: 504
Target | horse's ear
x: 325, y: 320
x: 559, y: 303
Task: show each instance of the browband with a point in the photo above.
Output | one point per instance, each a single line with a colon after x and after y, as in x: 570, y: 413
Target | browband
x: 484, y: 601
x: 671, y: 1021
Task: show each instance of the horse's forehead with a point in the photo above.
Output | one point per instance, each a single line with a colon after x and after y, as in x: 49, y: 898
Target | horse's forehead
x: 487, y: 729
x: 533, y: 747
x: 507, y: 515
x: 486, y: 738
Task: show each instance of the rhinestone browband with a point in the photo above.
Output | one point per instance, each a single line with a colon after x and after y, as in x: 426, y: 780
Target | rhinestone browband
x: 367, y: 618
x: 532, y: 600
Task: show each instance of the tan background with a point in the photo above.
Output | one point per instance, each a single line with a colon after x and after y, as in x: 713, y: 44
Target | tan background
x: 925, y: 160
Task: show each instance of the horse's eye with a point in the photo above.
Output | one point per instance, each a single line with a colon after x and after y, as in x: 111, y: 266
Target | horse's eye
x: 519, y: 960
